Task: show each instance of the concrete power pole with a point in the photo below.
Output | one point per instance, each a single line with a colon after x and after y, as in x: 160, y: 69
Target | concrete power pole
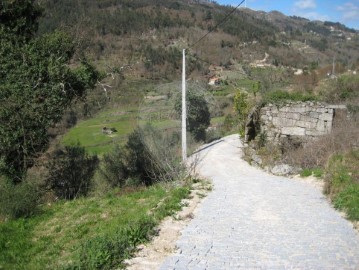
x: 184, y: 109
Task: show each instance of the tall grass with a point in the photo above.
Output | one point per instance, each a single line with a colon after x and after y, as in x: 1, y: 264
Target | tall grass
x: 342, y: 182
x: 87, y: 233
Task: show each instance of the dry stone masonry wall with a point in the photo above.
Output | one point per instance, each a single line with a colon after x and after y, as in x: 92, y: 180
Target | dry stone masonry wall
x: 303, y: 119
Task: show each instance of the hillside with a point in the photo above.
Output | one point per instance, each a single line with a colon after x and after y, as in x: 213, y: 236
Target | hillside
x: 139, y: 45
x: 149, y: 35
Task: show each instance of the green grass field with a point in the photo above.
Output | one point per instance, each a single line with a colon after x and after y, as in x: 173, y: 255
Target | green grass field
x: 87, y: 233
x: 89, y: 132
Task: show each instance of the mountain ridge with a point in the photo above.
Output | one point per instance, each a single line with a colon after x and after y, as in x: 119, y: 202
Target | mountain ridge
x: 143, y: 31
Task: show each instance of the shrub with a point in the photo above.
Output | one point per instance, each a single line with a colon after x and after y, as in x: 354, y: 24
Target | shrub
x: 153, y: 157
x: 198, y: 115
x: 315, y: 153
x: 113, y: 168
x: 242, y: 107
x: 139, y: 159
x: 70, y: 172
x: 346, y: 88
x: 19, y: 200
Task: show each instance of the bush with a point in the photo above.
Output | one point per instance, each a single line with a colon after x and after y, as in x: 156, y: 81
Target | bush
x: 315, y: 153
x: 153, y: 157
x: 113, y: 168
x: 19, y: 200
x: 70, y: 172
x: 346, y: 89
x: 242, y: 107
x: 198, y: 115
x: 139, y: 159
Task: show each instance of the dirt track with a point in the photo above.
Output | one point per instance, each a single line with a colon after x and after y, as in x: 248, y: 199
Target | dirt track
x: 254, y: 220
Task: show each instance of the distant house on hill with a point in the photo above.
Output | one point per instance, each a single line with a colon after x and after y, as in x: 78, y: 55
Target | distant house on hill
x: 214, y: 81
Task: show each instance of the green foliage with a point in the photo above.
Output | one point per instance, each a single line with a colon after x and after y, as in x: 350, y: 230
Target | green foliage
x: 172, y: 204
x: 348, y: 87
x: 348, y: 200
x: 109, y: 251
x: 256, y: 87
x: 15, y: 243
x: 70, y: 172
x: 20, y: 200
x: 306, y: 173
x: 316, y: 172
x: 279, y: 96
x: 36, y: 86
x: 345, y: 89
x: 198, y: 115
x: 242, y: 107
x: 342, y: 182
x: 19, y: 18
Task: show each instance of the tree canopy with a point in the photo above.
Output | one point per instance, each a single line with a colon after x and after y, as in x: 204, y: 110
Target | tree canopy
x: 37, y: 84
x: 198, y: 115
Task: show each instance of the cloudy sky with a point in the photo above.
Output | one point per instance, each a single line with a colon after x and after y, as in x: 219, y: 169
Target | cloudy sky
x: 346, y: 12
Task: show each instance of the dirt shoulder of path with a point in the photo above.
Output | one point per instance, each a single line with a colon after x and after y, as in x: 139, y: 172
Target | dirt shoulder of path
x: 151, y: 255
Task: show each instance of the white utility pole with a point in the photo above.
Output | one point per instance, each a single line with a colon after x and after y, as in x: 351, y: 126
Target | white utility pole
x: 245, y: 3
x: 184, y: 109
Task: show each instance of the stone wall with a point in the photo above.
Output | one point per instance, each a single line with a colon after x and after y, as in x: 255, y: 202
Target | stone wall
x: 300, y: 119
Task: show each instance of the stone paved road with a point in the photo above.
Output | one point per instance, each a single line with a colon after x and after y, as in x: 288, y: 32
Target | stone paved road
x: 254, y: 220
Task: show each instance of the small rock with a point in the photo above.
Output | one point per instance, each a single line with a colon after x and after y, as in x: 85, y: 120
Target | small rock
x: 257, y: 160
x: 283, y: 169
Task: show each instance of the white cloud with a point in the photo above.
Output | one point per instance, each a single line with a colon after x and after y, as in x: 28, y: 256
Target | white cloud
x: 349, y: 10
x: 305, y: 4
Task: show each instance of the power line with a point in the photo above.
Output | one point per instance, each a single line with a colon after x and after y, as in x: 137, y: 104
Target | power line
x: 218, y: 24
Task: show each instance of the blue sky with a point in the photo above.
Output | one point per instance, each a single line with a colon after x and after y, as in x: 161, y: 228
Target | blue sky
x: 346, y: 12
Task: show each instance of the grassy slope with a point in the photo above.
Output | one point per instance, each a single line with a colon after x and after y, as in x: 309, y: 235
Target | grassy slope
x: 342, y: 184
x: 65, y: 231
x: 89, y: 132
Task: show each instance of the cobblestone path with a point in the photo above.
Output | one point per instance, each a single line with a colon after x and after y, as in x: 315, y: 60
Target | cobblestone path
x: 254, y: 220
